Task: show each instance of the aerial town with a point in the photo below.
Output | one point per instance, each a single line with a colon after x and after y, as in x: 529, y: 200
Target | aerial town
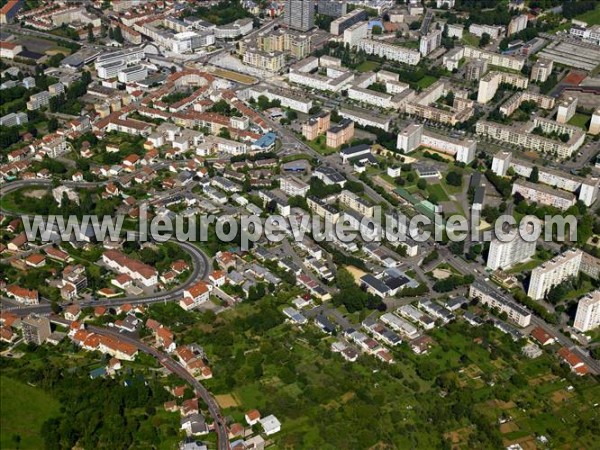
x: 352, y: 114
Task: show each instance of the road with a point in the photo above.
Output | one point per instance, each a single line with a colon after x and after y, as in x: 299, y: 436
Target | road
x: 175, y: 368
x: 200, y: 262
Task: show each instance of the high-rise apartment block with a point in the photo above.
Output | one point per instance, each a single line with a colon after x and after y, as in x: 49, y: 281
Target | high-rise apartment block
x: 588, y: 312
x: 503, y: 255
x: 299, y: 14
x: 36, y: 329
x: 554, y: 272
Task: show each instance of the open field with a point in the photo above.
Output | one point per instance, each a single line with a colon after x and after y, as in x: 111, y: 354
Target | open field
x: 470, y: 39
x: 426, y: 81
x: 23, y: 410
x: 226, y: 401
x: 368, y: 66
x: 580, y: 120
x: 591, y: 17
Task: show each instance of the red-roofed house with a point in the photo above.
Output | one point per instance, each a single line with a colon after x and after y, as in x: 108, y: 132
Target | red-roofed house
x: 542, y: 337
x: 22, y: 295
x: 252, y: 417
x: 195, y: 295
x: 575, y: 362
x: 36, y: 260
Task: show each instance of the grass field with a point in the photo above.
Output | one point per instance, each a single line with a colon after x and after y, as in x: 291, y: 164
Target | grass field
x: 426, y: 81
x: 23, y: 410
x: 438, y: 191
x: 319, y: 145
x: 470, y: 39
x: 580, y: 120
x: 368, y: 66
x: 591, y: 17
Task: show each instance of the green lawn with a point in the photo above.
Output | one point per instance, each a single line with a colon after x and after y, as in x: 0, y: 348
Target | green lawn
x: 426, y: 81
x: 319, y: 145
x: 23, y: 410
x: 368, y: 66
x: 438, y: 191
x: 591, y: 17
x: 580, y: 120
x: 526, y: 266
x: 470, y: 39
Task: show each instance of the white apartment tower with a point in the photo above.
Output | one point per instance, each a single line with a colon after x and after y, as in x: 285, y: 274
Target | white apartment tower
x: 503, y: 255
x: 595, y: 123
x: 588, y: 312
x: 554, y: 272
x: 410, y: 138
x: 299, y: 14
x: 566, y: 109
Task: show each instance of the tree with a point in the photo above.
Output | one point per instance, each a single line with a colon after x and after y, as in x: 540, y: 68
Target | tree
x: 534, y: 176
x: 376, y: 30
x: 454, y: 178
x: 90, y: 32
x: 422, y: 184
x: 52, y: 125
x: 118, y: 35
x: 485, y: 40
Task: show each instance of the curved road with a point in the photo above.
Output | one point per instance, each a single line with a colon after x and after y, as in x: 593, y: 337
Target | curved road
x: 175, y: 368
x: 201, y: 265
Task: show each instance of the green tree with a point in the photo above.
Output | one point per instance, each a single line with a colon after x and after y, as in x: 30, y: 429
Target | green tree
x: 485, y: 40
x: 534, y: 176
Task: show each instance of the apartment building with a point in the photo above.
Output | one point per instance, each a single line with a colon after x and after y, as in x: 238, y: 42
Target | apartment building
x: 137, y: 270
x: 240, y: 27
x: 476, y: 69
x: 455, y: 30
x: 523, y: 137
x: 588, y: 312
x: 495, y: 31
x: 14, y: 119
x: 293, y: 186
x: 299, y: 14
x: 554, y: 272
x: 340, y: 134
x: 332, y: 8
x: 410, y: 138
x: 430, y: 41
x: 489, y: 84
x: 494, y: 298
x: 269, y: 61
x: 355, y: 33
x: 544, y: 195
x: 503, y: 255
x: 567, y: 107
x: 587, y: 188
x: 513, y: 103
x: 366, y: 118
x: 132, y: 74
x: 322, y: 209
x: 516, y: 24
x: 316, y: 125
x: 357, y: 203
x: 423, y: 105
x: 452, y: 59
x: 341, y: 24
x: 35, y: 329
x: 390, y: 51
x: 595, y: 123
x: 541, y: 70
x: 289, y: 98
x: 414, y: 136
